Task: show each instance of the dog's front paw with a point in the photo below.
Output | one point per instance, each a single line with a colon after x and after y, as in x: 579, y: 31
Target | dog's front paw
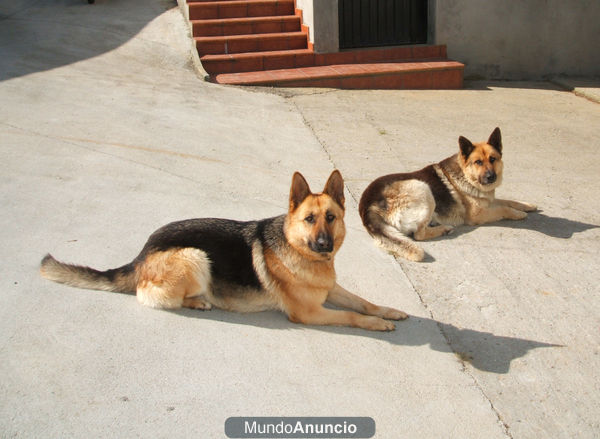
x: 388, y: 326
x: 448, y: 230
x: 392, y: 314
x: 378, y: 324
x: 520, y: 205
x: 515, y: 214
x: 521, y: 215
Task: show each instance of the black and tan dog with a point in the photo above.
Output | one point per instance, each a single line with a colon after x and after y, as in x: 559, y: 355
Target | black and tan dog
x: 285, y: 263
x: 431, y: 202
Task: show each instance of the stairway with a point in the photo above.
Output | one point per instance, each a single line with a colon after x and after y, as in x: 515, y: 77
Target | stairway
x: 263, y: 42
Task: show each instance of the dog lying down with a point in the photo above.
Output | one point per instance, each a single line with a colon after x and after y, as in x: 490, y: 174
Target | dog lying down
x: 284, y: 263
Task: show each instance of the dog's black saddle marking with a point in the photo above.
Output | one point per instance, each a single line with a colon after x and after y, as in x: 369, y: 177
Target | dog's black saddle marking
x: 227, y: 243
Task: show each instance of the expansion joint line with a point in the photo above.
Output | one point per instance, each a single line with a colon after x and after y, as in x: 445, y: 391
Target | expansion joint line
x: 329, y: 157
x: 464, y: 368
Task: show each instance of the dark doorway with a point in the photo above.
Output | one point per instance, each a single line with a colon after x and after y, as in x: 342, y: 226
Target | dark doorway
x: 370, y: 23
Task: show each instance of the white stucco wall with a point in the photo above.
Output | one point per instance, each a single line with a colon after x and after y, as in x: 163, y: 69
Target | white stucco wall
x: 496, y: 39
x: 321, y: 16
x: 521, y: 39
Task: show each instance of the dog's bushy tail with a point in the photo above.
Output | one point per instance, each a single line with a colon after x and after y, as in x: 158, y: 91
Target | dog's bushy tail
x: 391, y: 239
x: 120, y: 280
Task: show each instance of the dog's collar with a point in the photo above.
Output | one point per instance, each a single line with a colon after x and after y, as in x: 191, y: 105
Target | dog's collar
x: 457, y: 188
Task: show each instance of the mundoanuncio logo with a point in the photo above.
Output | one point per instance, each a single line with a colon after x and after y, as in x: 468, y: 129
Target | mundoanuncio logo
x: 299, y: 427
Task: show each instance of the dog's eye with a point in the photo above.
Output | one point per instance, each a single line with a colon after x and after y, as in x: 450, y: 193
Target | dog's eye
x: 329, y: 218
x: 310, y: 219
x: 478, y: 162
x: 492, y: 159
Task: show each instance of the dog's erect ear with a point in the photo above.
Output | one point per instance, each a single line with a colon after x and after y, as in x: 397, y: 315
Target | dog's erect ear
x: 466, y: 147
x: 496, y: 140
x: 335, y: 188
x: 299, y: 191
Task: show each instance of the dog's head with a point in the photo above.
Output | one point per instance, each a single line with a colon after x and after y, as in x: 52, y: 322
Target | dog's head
x: 315, y: 222
x: 482, y: 162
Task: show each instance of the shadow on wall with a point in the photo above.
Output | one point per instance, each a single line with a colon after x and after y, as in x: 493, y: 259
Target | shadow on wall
x: 483, y: 350
x: 39, y: 35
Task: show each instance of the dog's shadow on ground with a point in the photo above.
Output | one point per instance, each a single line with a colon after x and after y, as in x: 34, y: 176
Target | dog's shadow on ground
x: 551, y: 226
x: 483, y: 350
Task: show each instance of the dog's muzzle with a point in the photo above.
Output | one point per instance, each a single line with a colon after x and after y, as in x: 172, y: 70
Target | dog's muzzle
x: 323, y: 244
x: 489, y: 177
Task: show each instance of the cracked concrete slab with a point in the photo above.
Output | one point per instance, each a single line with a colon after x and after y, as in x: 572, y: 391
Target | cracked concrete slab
x: 108, y: 133
x: 521, y: 296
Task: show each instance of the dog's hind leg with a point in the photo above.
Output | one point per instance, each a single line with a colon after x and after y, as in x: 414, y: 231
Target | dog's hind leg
x: 397, y: 243
x: 197, y: 302
x: 175, y: 278
x: 341, y: 297
x: 409, y: 209
x: 429, y: 232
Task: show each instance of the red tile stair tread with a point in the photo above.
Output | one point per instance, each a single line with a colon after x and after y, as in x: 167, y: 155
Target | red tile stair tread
x: 341, y: 71
x: 267, y: 36
x: 268, y: 45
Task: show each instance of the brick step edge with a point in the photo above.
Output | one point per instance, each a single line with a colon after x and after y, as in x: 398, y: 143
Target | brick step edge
x: 254, y: 37
x: 441, y: 74
x: 247, y: 62
x: 240, y: 9
x: 259, y: 43
x: 246, y: 26
x: 224, y: 1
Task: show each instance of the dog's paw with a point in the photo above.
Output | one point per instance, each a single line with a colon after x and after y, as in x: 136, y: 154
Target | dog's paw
x: 528, y: 207
x: 378, y: 324
x: 448, y: 230
x: 517, y: 214
x: 414, y: 253
x: 196, y: 303
x: 387, y: 326
x: 522, y: 206
x: 393, y: 314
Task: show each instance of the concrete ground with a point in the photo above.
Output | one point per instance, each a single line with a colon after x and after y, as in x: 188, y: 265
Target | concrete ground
x: 107, y: 132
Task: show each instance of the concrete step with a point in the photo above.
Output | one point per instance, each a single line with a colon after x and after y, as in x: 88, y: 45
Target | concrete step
x: 245, y: 26
x: 430, y: 74
x: 250, y: 43
x: 236, y: 9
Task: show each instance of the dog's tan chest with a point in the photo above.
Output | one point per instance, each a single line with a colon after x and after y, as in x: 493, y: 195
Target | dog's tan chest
x: 296, y: 272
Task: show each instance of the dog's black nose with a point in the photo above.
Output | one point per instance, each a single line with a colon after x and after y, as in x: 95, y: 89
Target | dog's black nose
x: 489, y: 177
x: 324, y: 243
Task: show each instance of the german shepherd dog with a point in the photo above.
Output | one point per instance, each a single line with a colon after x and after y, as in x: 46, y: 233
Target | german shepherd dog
x: 431, y: 202
x: 284, y: 263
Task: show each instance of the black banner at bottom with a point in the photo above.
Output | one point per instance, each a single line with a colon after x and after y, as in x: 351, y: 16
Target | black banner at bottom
x: 299, y: 427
